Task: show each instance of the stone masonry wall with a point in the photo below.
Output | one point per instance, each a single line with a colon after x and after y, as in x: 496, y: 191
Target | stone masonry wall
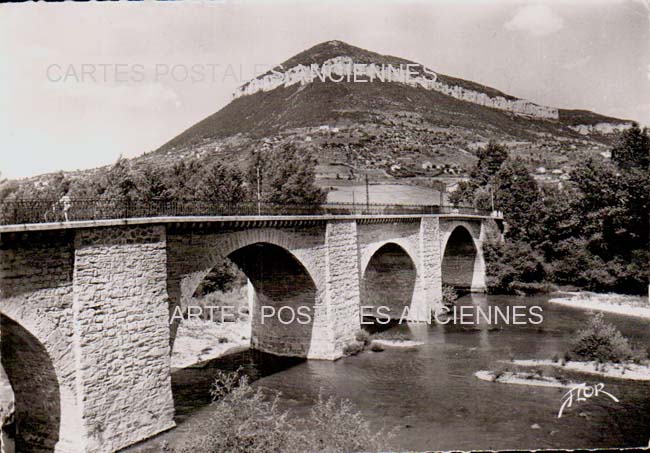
x: 192, y: 254
x: 342, y: 280
x: 430, y: 292
x: 122, y: 334
x: 36, y: 272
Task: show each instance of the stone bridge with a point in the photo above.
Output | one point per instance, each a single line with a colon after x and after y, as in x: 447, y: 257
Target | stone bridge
x: 85, y: 306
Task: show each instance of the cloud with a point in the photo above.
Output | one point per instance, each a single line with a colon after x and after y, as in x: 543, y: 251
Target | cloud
x: 537, y: 20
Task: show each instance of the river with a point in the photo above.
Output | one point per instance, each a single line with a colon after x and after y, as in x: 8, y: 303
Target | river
x: 430, y: 393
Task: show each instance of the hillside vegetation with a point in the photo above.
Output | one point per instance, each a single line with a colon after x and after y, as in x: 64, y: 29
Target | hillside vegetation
x: 390, y: 132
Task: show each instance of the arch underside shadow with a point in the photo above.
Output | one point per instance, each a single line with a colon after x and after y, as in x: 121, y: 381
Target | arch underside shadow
x: 36, y: 388
x: 462, y: 265
x: 192, y: 256
x: 283, y: 290
x: 388, y: 283
x: 284, y: 297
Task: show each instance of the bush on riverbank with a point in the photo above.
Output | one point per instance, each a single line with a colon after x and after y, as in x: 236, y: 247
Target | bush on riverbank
x: 364, y: 340
x: 449, y: 295
x: 251, y: 422
x: 602, y: 342
x: 353, y: 348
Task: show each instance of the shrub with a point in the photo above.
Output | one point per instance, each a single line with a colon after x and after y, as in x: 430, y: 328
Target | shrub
x: 335, y: 427
x: 250, y: 422
x: 353, y: 348
x: 602, y: 342
x: 449, y: 295
x: 362, y: 336
x: 247, y: 422
x: 231, y: 304
x: 376, y: 347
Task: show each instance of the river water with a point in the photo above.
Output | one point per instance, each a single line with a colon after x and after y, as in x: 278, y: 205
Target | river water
x: 431, y: 395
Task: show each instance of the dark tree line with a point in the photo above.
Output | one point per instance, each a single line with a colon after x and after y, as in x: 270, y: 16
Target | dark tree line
x: 592, y: 232
x: 285, y: 176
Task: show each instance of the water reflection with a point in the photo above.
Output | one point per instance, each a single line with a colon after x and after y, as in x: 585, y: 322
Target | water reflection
x: 191, y: 386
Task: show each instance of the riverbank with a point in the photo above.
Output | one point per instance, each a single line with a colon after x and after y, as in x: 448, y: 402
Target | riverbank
x: 620, y: 304
x: 629, y: 371
x: 522, y: 378
x: 199, y: 340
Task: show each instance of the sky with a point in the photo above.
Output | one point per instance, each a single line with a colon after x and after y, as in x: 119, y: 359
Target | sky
x: 84, y: 83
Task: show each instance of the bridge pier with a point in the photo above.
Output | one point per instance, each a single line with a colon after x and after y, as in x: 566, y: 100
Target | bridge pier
x: 342, y: 286
x: 121, y: 336
x: 428, y: 292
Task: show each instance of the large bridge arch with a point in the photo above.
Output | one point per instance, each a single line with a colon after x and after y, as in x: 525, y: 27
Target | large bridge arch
x: 463, y: 266
x: 39, y: 362
x: 287, y: 293
x: 284, y: 267
x: 388, y: 279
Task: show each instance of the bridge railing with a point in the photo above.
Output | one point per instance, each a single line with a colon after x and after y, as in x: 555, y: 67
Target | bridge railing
x: 42, y: 211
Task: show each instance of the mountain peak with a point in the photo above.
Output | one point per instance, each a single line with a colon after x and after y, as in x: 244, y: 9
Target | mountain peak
x: 449, y: 113
x: 335, y: 48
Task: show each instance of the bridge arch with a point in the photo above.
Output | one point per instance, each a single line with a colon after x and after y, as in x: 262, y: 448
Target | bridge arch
x: 284, y: 299
x: 39, y: 363
x: 282, y: 272
x: 388, y: 279
x: 463, y: 266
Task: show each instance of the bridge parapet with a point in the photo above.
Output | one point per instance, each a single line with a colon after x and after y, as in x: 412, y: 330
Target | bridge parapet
x: 65, y: 210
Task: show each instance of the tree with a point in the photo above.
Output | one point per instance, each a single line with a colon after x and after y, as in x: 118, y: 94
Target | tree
x: 633, y: 148
x: 464, y: 193
x: 559, y: 220
x: 490, y: 160
x: 121, y: 182
x: 285, y: 176
x: 153, y: 185
x: 221, y: 185
x: 518, y: 197
x: 478, y: 191
x: 513, y: 266
x: 181, y: 180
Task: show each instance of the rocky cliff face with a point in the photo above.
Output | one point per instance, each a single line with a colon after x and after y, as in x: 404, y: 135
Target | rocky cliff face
x: 343, y: 68
x: 600, y: 128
